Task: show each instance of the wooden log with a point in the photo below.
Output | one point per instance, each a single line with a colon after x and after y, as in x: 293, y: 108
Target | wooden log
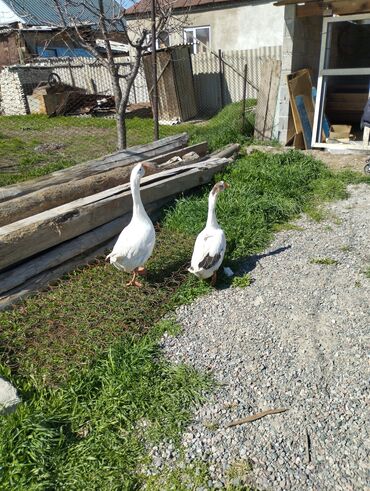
x: 228, y: 151
x: 49, y: 277
x: 32, y: 235
x: 11, y: 279
x: 53, y: 196
x: 79, y: 171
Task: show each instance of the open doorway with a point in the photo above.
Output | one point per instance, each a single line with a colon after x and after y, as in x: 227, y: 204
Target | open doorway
x: 343, y: 83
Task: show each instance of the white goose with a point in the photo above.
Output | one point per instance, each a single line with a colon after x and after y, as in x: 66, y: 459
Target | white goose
x: 135, y: 243
x: 210, y: 245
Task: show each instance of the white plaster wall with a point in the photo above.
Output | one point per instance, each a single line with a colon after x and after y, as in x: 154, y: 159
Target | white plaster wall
x: 249, y: 26
x: 7, y: 15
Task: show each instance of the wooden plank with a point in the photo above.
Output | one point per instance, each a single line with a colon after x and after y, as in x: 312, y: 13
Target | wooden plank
x: 343, y: 7
x: 51, y: 276
x: 273, y: 96
x: 310, y: 10
x: 59, y: 254
x: 32, y: 235
x: 79, y: 171
x: 184, y: 80
x: 339, y: 7
x: 53, y: 196
x: 267, y: 98
x: 299, y: 84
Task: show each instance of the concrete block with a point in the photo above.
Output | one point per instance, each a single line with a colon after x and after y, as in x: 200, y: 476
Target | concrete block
x: 8, y: 397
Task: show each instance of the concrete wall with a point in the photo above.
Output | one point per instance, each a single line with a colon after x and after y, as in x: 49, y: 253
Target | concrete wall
x: 301, y: 49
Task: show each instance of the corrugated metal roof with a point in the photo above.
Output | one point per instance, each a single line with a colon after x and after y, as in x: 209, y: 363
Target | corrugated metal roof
x: 41, y: 12
x: 143, y: 6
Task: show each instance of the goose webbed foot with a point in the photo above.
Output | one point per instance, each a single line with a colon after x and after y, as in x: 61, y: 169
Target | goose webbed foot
x: 133, y: 281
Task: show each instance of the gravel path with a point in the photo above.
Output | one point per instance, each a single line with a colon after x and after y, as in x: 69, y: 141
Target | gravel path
x: 296, y: 338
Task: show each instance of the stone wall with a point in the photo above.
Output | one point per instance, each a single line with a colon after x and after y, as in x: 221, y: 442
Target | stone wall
x: 12, y: 96
x: 18, y: 81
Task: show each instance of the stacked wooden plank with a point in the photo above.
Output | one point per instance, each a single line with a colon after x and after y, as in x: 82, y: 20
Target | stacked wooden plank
x: 53, y: 224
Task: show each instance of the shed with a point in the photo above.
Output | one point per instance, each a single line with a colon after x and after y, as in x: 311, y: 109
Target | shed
x: 326, y: 58
x: 176, y: 96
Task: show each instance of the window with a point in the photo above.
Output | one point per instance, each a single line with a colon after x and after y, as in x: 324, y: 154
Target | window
x: 199, y: 37
x: 163, y: 40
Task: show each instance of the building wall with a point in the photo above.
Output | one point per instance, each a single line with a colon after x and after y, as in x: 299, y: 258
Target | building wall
x: 253, y: 25
x: 8, y: 49
x: 301, y: 49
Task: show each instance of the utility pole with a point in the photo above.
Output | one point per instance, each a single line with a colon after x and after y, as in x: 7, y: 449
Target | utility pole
x: 154, y: 75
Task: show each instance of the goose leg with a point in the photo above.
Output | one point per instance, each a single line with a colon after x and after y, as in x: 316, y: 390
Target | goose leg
x: 214, y: 279
x: 133, y: 281
x: 142, y: 271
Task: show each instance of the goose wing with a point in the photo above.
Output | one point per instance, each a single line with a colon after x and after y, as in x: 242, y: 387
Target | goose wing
x: 209, y: 249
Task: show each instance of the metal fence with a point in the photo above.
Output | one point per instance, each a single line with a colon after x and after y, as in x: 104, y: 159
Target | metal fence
x: 219, y: 78
x: 228, y: 76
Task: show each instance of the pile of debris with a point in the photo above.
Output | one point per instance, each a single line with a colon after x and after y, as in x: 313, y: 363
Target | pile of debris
x: 50, y: 225
x: 55, y: 98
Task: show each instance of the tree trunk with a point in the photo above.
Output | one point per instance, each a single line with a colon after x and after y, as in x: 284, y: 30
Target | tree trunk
x: 121, y: 130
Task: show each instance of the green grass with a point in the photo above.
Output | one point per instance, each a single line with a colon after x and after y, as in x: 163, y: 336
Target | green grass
x: 346, y: 248
x: 85, y: 353
x: 50, y: 334
x: 265, y: 190
x: 89, y: 433
x: 89, y: 138
x: 242, y: 281
x: 326, y: 261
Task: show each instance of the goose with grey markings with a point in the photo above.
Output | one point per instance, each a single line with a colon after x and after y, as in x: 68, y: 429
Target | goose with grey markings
x: 210, y: 245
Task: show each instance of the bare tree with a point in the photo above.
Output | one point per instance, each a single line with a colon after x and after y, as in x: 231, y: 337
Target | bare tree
x: 110, y: 25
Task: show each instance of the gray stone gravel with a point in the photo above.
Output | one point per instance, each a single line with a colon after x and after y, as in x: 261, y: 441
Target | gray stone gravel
x: 298, y: 337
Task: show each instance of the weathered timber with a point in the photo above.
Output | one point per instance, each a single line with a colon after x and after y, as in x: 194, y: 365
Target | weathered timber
x: 228, y: 151
x: 79, y: 171
x: 53, y: 196
x: 47, y: 278
x: 53, y: 257
x: 32, y: 235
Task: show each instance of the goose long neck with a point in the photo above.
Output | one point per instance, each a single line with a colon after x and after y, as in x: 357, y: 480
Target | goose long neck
x: 138, y: 207
x: 211, y: 219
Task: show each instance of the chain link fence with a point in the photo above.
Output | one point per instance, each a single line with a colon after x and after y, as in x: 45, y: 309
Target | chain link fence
x: 220, y: 78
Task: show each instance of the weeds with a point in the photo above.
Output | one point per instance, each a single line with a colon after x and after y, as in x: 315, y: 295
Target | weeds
x: 326, y: 261
x: 242, y: 281
x: 346, y: 248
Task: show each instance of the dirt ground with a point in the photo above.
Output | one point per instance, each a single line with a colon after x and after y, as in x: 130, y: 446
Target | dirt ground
x: 343, y: 161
